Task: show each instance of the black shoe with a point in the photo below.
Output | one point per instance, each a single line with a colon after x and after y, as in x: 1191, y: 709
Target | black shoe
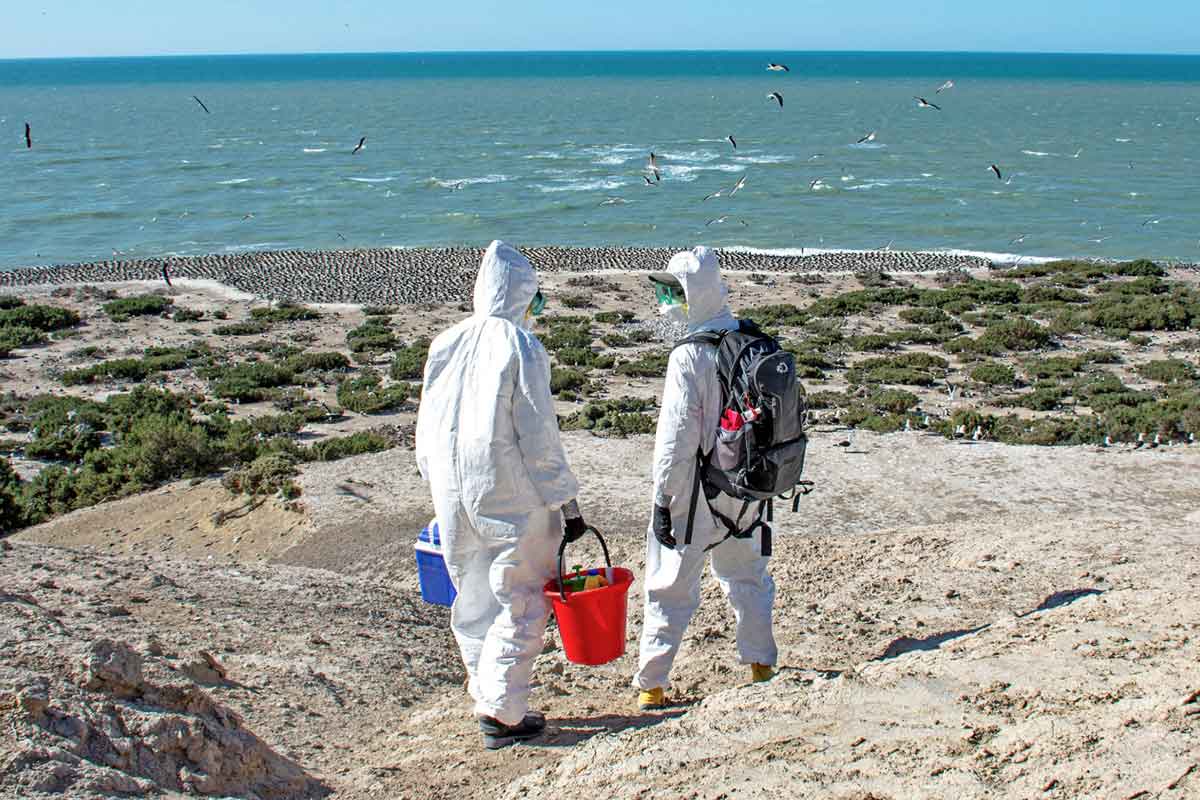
x: 497, y: 735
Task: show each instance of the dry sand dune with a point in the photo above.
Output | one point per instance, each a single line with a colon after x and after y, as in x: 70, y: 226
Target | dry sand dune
x: 954, y: 621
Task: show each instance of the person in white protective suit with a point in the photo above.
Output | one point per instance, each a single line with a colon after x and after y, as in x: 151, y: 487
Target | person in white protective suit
x: 692, y: 292
x: 488, y: 444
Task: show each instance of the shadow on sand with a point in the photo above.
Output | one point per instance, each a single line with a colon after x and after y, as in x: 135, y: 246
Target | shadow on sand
x: 570, y: 731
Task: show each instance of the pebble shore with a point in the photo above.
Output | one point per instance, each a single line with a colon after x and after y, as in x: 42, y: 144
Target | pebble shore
x: 436, y: 275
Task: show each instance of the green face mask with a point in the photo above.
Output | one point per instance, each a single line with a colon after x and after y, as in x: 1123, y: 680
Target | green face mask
x: 668, y: 295
x: 538, y: 304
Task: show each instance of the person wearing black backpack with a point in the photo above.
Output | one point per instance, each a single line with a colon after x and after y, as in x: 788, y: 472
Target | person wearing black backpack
x: 692, y: 521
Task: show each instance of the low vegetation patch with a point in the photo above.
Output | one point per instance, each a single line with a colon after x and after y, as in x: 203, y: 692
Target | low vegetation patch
x: 140, y: 305
x: 367, y: 395
x: 622, y: 417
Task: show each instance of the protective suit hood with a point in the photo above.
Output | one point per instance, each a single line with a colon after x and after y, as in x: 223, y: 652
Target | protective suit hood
x: 698, y: 272
x: 505, y: 285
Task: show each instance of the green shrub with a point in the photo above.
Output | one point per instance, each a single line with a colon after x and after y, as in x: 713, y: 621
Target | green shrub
x: 783, y: 315
x: 319, y: 361
x: 187, y: 315
x: 284, y: 311
x: 12, y: 512
x: 614, y: 317
x: 616, y: 340
x: 409, y: 362
x: 567, y: 337
x: 136, y: 306
x: 620, y: 418
x: 1018, y: 334
x: 266, y: 474
x: 371, y: 337
x: 649, y: 365
x: 366, y: 395
x: 379, y: 311
x: 345, y: 446
x: 248, y: 382
x: 1118, y: 313
x: 247, y: 328
x: 17, y: 336
x: 911, y: 369
x: 826, y: 399
x: 1042, y: 294
x: 1053, y: 367
x: 8, y: 301
x: 39, y: 318
x: 924, y: 316
x: 895, y: 401
x: 1171, y: 370
x: 994, y: 374
x: 566, y: 380
x: 871, y: 341
x: 575, y: 301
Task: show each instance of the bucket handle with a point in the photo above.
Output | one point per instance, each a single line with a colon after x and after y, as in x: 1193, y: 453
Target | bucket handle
x: 562, y: 548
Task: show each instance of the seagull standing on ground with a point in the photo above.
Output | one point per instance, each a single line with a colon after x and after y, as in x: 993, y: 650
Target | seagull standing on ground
x: 773, y: 67
x: 28, y: 138
x: 777, y: 97
x: 731, y: 140
x: 361, y: 143
x: 201, y: 102
x: 923, y: 103
x: 652, y: 165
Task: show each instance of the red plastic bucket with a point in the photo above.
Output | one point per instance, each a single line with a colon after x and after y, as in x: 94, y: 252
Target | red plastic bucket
x: 592, y: 622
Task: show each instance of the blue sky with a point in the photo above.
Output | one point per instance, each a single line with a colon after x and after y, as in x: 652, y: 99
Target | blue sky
x: 158, y: 27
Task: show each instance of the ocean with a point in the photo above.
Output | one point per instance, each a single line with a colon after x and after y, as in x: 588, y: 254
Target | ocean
x: 1098, y: 154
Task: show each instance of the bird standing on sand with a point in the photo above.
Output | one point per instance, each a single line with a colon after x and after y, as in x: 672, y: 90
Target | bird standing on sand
x: 995, y: 169
x: 28, y: 138
x: 652, y: 165
x: 731, y: 140
x: 201, y: 102
x: 773, y: 67
x: 923, y: 103
x: 777, y: 97
x: 361, y: 143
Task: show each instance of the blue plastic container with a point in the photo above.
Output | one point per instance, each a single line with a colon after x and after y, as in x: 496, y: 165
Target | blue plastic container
x: 436, y: 587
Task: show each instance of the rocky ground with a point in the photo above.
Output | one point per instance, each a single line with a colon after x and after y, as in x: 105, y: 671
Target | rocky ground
x: 955, y: 620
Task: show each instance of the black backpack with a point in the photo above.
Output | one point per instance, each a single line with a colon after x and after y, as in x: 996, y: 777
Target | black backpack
x: 764, y: 458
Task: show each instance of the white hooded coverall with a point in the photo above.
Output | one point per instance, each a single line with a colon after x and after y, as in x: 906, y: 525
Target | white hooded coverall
x: 690, y: 416
x: 488, y: 443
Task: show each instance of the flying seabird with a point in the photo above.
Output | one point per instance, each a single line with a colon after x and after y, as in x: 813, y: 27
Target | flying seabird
x: 652, y: 165
x: 28, y: 138
x: 361, y: 142
x: 1077, y: 152
x: 716, y: 221
x: 248, y: 216
x: 870, y: 137
x: 1019, y: 239
x: 996, y: 170
x: 201, y: 102
x: 649, y: 182
x: 717, y: 193
x: 1152, y: 221
x: 343, y: 238
x: 731, y: 140
x: 777, y: 97
x: 944, y: 87
x: 773, y: 67
x: 740, y: 183
x: 814, y: 184
x: 923, y: 103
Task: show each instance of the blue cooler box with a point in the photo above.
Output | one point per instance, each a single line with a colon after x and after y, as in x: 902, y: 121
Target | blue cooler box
x: 436, y: 587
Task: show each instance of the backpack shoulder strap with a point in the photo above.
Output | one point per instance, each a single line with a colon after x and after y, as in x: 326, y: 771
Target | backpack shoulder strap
x: 712, y: 338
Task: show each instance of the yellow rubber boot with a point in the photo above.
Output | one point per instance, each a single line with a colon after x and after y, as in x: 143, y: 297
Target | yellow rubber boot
x: 651, y: 699
x: 761, y: 673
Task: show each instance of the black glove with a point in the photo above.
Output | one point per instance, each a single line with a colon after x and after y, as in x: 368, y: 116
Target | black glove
x: 662, y: 527
x: 573, y: 528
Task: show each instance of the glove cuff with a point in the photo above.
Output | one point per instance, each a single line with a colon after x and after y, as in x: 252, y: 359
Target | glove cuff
x: 570, y: 510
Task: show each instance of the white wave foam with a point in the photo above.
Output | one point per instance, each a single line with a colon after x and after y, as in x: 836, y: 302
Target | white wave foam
x: 235, y: 181
x: 764, y: 159
x: 450, y: 183
x: 1037, y: 153
x: 613, y: 161
x: 546, y: 155
x: 869, y: 146
x: 689, y: 172
x: 1123, y: 141
x: 371, y: 180
x: 692, y: 156
x: 315, y: 149
x: 242, y: 248
x: 583, y: 186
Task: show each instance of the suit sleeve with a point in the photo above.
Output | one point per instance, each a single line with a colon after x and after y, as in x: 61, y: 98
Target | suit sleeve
x: 678, y: 437
x: 537, y: 426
